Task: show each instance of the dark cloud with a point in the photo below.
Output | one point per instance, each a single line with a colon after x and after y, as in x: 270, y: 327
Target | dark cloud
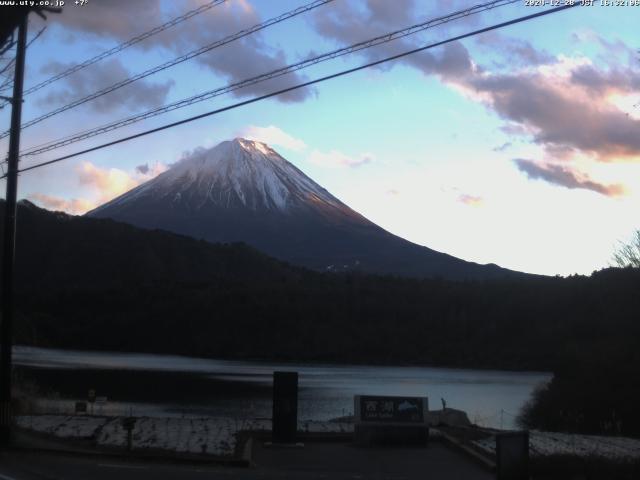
x: 352, y: 22
x: 515, y: 50
x: 247, y: 60
x: 451, y: 63
x: 115, y: 19
x: 122, y: 19
x: 563, y: 176
x: 565, y: 110
x: 348, y: 23
x: 140, y: 94
x: 601, y: 82
x: 557, y: 119
x: 143, y: 169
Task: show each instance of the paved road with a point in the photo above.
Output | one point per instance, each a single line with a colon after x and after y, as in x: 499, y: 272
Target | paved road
x: 313, y: 462
x: 46, y: 466
x: 345, y: 461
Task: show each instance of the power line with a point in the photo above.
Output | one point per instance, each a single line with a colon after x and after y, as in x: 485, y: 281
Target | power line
x: 9, y: 79
x: 9, y: 83
x: 7, y: 66
x: 175, y: 61
x: 8, y: 45
x: 304, y: 84
x: 132, y: 41
x: 267, y: 76
x: 36, y: 36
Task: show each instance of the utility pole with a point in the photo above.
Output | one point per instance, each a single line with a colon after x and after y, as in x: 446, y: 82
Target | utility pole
x: 9, y: 245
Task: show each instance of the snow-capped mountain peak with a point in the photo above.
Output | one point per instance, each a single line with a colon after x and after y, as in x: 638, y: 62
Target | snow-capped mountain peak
x: 238, y: 173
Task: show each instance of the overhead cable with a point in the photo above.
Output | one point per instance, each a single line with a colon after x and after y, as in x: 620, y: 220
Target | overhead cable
x: 118, y: 48
x: 175, y: 61
x: 302, y: 85
x: 388, y: 37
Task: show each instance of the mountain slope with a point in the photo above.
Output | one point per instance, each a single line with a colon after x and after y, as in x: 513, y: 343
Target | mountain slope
x: 244, y: 191
x: 56, y: 251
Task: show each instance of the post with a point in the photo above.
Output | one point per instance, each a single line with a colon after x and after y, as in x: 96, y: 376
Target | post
x: 512, y: 456
x: 9, y: 244
x: 285, y: 407
x: 129, y: 423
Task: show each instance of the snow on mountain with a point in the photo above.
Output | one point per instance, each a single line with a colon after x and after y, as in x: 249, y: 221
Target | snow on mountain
x: 235, y: 173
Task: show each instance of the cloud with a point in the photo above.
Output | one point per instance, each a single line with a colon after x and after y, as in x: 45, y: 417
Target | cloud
x: 515, y: 51
x: 143, y: 169
x: 503, y: 147
x: 117, y: 19
x: 137, y: 95
x: 109, y: 183
x: 120, y: 20
x: 104, y: 184
x: 612, y: 51
x: 337, y: 159
x: 272, y: 135
x: 563, y: 104
x: 146, y: 172
x: 562, y: 115
x: 565, y: 177
x: 352, y: 22
x: 600, y: 82
x: 471, y: 200
x: 74, y: 206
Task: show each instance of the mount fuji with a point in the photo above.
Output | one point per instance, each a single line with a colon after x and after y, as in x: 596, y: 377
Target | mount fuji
x: 244, y: 191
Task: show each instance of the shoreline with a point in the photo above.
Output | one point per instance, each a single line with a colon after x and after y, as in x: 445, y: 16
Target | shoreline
x: 277, y: 361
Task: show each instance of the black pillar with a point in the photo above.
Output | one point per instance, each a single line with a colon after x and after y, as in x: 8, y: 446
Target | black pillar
x: 8, y: 252
x: 285, y: 407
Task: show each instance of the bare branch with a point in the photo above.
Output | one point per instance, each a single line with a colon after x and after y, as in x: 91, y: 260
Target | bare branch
x: 628, y: 254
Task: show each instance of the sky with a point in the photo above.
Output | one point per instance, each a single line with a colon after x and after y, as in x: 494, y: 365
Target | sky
x: 519, y: 146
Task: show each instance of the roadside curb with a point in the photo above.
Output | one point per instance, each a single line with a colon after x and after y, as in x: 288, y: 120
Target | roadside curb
x: 483, y: 460
x: 139, y: 456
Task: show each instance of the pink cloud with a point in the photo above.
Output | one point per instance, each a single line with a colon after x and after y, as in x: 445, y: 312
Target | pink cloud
x: 104, y: 184
x: 471, y: 200
x: 564, y: 176
x: 74, y: 206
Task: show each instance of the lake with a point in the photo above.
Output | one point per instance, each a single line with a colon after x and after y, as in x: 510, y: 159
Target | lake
x: 169, y: 385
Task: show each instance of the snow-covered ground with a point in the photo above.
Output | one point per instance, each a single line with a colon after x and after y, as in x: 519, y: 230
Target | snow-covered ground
x: 217, y: 435
x: 543, y: 444
x: 210, y: 436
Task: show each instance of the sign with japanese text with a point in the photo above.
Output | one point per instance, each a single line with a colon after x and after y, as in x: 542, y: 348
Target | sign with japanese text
x: 390, y: 409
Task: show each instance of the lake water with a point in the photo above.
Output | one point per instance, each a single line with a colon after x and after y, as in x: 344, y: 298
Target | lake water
x: 167, y: 385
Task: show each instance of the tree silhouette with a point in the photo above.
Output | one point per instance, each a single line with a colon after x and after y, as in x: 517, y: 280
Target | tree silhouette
x: 628, y: 254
